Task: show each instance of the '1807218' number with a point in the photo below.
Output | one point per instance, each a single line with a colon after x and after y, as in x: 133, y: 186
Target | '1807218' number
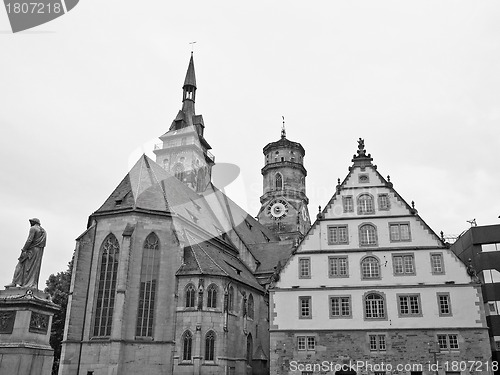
x: 33, y: 8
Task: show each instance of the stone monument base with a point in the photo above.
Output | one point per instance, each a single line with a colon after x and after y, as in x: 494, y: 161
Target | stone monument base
x: 25, y: 322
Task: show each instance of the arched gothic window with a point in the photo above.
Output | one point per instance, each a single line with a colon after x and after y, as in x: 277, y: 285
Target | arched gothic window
x: 279, y: 181
x: 106, y: 288
x: 249, y: 349
x: 365, y: 204
x: 250, y: 311
x: 230, y: 299
x: 147, y: 289
x: 374, y: 306
x: 187, y: 346
x: 212, y: 296
x: 370, y: 268
x: 210, y: 346
x: 190, y: 295
x: 367, y: 235
x: 179, y: 172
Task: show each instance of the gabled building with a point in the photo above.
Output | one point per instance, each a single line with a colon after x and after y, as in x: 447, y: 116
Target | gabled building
x: 372, y: 284
x: 170, y: 275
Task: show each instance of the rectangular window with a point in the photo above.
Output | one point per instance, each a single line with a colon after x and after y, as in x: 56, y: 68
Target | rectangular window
x: 497, y: 346
x: 409, y: 305
x: 338, y: 266
x: 492, y: 308
x: 377, y: 343
x: 399, y: 232
x: 337, y: 235
x: 383, y: 202
x: 403, y: 264
x: 304, y: 268
x: 447, y: 342
x: 444, y: 304
x: 340, y: 307
x: 437, y: 263
x: 305, y: 308
x: 306, y: 343
x: 348, y: 203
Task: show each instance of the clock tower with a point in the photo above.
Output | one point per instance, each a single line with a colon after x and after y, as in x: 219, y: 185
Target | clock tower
x: 284, y: 201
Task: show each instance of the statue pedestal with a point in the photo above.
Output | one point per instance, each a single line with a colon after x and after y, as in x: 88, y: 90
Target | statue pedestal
x: 25, y: 321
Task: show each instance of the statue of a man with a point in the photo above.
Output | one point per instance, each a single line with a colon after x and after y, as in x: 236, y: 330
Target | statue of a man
x: 28, y: 269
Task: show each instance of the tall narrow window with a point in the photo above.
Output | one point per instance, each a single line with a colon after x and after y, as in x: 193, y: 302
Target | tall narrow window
x: 210, y: 346
x: 249, y: 349
x: 444, y: 304
x: 347, y: 203
x: 230, y: 299
x: 305, y: 308
x: 365, y: 204
x: 383, y: 202
x: 187, y: 346
x: 250, y: 312
x: 279, y: 181
x: 179, y: 172
x: 367, y: 235
x: 190, y: 294
x: 370, y: 268
x: 147, y: 289
x: 437, y: 263
x: 106, y: 289
x: 304, y: 268
x: 374, y: 306
x: 212, y: 296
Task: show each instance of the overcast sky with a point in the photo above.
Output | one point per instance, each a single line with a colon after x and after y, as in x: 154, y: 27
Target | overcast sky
x: 83, y: 96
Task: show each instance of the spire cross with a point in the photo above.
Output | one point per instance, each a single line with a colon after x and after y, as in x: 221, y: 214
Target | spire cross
x: 283, y: 131
x: 192, y: 46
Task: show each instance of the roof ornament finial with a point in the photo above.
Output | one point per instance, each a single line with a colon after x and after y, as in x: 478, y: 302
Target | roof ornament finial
x: 361, y: 147
x: 192, y: 46
x: 283, y: 130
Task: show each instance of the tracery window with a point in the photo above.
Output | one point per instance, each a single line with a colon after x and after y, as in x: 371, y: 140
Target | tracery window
x: 210, y: 346
x: 106, y: 288
x: 212, y: 296
x: 190, y: 295
x: 279, y: 181
x: 187, y: 346
x: 148, y: 284
x: 250, y: 312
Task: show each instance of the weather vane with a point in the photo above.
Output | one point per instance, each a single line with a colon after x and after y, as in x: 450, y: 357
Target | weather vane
x: 192, y: 46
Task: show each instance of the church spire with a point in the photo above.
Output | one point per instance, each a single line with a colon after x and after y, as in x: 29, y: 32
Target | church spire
x: 283, y: 130
x: 189, y: 88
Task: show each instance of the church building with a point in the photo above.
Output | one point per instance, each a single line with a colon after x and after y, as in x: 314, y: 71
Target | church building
x: 171, y: 276
x: 373, y: 290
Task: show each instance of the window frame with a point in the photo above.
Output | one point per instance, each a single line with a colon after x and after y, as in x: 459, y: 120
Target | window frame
x: 360, y: 234
x: 147, y: 295
x: 345, y: 207
x: 340, y: 298
x: 378, y: 342
x: 384, y: 306
x: 212, y: 290
x: 308, y: 261
x: 399, y: 224
x: 332, y: 259
x: 337, y: 228
x: 379, y: 270
x: 100, y: 326
x: 250, y: 307
x: 448, y: 347
x: 403, y: 264
x: 447, y: 295
x: 210, y: 349
x: 307, y: 346
x: 361, y: 209
x: 309, y: 307
x: 433, y: 270
x: 187, y: 335
x: 381, y: 207
x: 190, y: 287
x: 409, y: 314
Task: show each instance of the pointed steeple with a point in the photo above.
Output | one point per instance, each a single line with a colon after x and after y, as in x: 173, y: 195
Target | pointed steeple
x: 190, y: 76
x: 283, y: 130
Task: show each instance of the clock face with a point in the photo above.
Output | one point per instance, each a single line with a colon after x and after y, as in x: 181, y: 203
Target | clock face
x: 277, y: 209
